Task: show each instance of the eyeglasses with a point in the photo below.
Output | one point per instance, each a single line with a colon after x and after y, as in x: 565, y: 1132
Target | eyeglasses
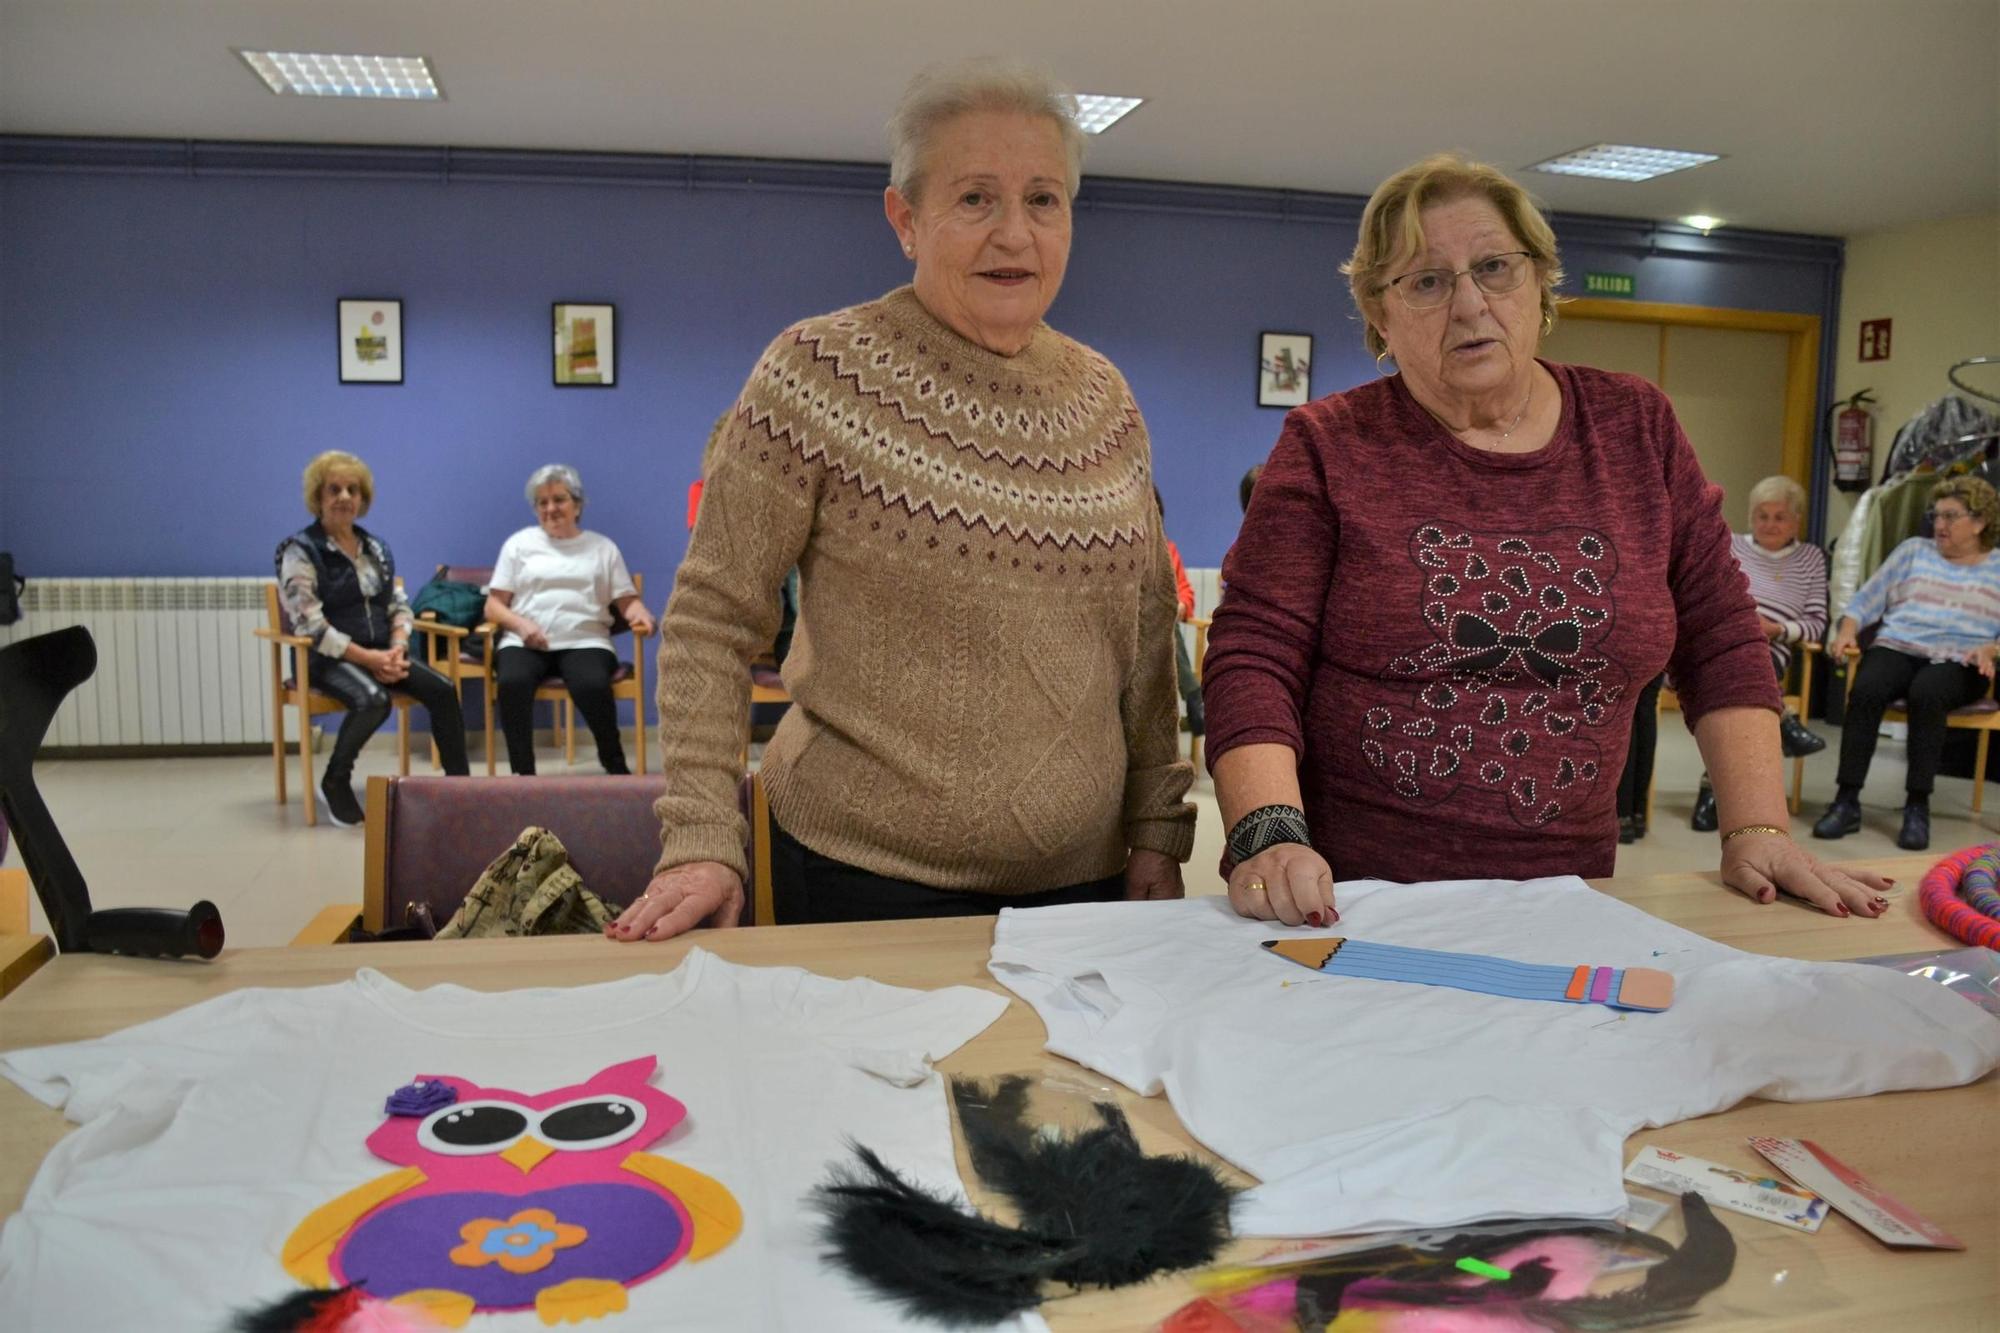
x: 1931, y: 516
x: 1424, y: 288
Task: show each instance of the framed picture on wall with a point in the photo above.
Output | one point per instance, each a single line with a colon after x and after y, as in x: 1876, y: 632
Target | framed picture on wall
x: 1284, y: 369
x: 371, y: 340
x: 585, y: 345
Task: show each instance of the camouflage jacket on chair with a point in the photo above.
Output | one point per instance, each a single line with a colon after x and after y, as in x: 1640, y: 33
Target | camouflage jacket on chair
x: 530, y: 889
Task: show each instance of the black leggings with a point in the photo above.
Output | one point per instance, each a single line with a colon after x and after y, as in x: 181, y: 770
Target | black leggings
x: 808, y: 888
x: 586, y: 672
x: 1637, y: 779
x: 1932, y: 689
x: 367, y: 701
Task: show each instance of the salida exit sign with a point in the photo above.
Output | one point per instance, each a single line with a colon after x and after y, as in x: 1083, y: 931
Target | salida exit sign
x: 1609, y: 284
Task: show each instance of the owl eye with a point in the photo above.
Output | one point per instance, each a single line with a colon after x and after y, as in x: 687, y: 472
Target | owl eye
x: 596, y: 1123
x: 470, y: 1128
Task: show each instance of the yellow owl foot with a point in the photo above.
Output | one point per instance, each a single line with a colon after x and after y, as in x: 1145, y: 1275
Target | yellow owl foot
x: 579, y: 1299
x: 448, y: 1309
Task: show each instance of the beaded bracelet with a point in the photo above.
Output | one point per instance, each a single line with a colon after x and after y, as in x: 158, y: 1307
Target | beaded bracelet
x: 1267, y: 826
x: 1755, y: 828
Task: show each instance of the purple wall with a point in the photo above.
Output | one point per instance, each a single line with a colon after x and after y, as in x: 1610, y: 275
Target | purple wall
x: 171, y: 357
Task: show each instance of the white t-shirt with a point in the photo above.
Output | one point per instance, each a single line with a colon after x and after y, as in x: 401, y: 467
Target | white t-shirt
x: 567, y: 587
x: 1364, y: 1105
x: 208, y: 1135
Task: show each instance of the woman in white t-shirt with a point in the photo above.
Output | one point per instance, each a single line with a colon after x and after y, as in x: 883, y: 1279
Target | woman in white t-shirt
x: 553, y: 594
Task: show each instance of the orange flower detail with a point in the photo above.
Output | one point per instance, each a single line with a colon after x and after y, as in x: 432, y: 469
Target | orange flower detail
x: 525, y: 1243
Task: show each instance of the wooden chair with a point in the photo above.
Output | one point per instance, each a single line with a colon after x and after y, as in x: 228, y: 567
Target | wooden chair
x: 479, y: 659
x: 1981, y: 715
x: 474, y: 653
x: 1794, y: 702
x: 20, y: 952
x: 428, y: 839
x: 295, y: 693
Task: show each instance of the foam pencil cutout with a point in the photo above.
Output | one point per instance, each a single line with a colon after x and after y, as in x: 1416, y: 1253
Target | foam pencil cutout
x: 1643, y: 988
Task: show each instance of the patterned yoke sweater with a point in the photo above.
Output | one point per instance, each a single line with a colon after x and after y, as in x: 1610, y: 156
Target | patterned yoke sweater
x: 982, y: 674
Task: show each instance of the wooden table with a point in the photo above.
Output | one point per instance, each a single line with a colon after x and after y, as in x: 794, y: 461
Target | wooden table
x: 1934, y: 1150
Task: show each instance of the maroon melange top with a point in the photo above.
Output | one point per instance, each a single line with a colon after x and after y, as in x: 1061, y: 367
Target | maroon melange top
x: 1451, y: 639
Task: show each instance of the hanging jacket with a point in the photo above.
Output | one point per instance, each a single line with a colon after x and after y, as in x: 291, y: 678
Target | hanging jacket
x: 1931, y: 435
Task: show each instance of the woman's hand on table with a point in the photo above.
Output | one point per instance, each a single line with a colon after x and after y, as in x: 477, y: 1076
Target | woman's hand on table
x: 1289, y: 882
x: 1150, y: 874
x: 1982, y: 658
x: 1760, y: 866
x: 700, y: 893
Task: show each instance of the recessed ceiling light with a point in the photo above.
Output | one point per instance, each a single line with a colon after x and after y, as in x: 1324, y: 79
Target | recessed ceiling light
x: 309, y: 74
x: 1096, y: 113
x: 1702, y: 222
x: 1622, y: 162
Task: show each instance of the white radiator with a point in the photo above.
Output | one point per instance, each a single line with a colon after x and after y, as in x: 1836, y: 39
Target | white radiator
x: 176, y: 661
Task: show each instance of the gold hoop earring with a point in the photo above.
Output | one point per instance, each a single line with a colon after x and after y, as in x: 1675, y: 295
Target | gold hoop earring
x: 1380, y: 357
x: 1548, y: 322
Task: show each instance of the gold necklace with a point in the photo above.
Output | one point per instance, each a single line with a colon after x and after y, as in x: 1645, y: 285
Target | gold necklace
x: 1519, y: 417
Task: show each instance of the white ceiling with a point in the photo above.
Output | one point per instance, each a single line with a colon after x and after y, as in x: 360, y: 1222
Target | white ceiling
x: 1834, y: 116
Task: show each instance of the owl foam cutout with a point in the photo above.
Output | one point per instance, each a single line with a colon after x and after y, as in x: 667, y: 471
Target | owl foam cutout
x: 510, y: 1201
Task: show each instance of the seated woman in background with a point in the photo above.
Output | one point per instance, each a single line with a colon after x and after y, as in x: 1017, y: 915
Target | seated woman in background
x: 1937, y: 600
x: 553, y: 594
x: 337, y: 582
x: 1788, y: 583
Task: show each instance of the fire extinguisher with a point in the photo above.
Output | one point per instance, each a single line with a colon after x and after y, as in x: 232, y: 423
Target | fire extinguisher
x: 1851, y: 429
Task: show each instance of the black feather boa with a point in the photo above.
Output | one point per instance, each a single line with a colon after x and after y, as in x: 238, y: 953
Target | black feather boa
x: 1094, y: 1211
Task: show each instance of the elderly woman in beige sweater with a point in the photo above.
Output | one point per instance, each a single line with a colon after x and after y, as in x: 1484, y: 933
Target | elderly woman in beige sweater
x: 983, y: 674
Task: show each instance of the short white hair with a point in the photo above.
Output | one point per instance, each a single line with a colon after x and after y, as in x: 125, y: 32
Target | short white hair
x: 561, y: 472
x: 1780, y: 488
x: 938, y: 96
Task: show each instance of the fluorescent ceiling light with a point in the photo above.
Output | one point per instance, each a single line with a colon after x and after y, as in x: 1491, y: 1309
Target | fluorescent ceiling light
x: 1702, y: 222
x: 1096, y: 113
x: 1622, y: 162
x: 309, y: 74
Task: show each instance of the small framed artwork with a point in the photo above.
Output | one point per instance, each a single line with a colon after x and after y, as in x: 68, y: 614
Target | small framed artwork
x: 371, y: 340
x: 1284, y: 369
x: 585, y: 346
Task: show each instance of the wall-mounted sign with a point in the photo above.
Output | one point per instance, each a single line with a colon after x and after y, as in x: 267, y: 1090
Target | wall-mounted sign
x: 1610, y: 284
x: 1875, y: 340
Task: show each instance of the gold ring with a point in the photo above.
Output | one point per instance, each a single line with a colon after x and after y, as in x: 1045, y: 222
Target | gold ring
x: 1256, y: 886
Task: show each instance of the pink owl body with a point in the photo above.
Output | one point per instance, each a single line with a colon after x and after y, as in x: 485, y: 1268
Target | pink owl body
x: 520, y: 1192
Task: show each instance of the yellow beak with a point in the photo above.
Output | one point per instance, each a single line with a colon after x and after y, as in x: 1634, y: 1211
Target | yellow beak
x: 527, y: 1154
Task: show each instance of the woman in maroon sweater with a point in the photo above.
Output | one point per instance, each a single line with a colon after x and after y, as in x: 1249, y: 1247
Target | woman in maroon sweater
x: 1450, y: 580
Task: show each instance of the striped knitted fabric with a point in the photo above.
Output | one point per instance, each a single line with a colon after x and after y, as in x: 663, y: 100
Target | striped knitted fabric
x: 1789, y: 586
x: 982, y: 671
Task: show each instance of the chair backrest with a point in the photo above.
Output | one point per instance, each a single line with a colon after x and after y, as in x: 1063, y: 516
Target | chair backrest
x: 479, y: 574
x: 274, y: 610
x: 428, y: 838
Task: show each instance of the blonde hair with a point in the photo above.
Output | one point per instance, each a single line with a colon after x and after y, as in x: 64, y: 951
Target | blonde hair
x: 1392, y: 230
x: 336, y: 460
x: 1980, y: 500
x: 937, y: 97
x: 1780, y: 488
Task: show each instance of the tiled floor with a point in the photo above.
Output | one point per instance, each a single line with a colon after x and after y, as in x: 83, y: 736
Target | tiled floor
x: 164, y: 832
